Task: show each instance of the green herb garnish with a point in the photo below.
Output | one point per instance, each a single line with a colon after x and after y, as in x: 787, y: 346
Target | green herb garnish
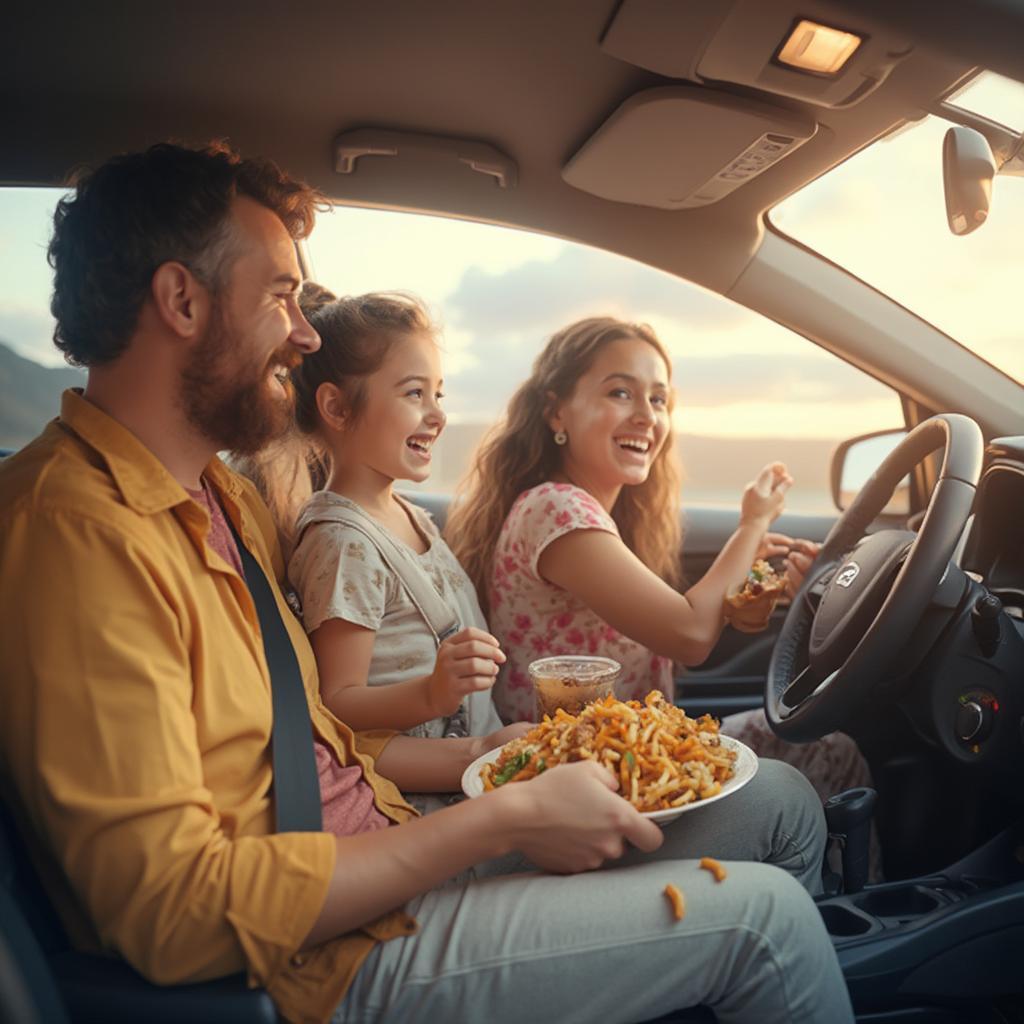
x: 516, y: 765
x: 630, y: 760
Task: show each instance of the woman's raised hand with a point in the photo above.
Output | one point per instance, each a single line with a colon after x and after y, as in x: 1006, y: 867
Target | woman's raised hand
x: 466, y: 662
x: 764, y: 497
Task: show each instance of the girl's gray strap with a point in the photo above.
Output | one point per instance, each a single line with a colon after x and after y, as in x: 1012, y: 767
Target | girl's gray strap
x: 438, y: 616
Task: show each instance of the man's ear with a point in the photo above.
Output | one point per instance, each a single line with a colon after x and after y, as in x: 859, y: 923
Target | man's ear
x: 331, y: 404
x: 180, y: 301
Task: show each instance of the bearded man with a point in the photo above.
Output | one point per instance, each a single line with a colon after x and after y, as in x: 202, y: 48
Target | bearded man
x: 149, y: 744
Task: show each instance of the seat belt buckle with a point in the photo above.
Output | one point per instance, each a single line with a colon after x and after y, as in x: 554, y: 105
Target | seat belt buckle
x: 449, y: 632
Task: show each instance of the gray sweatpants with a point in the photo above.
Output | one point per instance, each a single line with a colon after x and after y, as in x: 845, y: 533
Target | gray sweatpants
x: 505, y: 944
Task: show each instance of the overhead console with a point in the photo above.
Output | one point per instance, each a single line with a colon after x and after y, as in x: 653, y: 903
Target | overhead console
x: 811, y: 52
x: 683, y: 146
x: 732, y: 116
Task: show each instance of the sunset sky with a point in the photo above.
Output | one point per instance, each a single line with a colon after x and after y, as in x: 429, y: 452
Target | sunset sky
x: 499, y: 294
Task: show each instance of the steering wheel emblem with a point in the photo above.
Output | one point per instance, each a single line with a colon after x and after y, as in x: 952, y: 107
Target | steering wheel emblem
x: 847, y: 574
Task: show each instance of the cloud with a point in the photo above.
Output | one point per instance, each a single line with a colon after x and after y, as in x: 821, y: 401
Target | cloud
x: 789, y: 379
x: 486, y: 374
x: 497, y: 322
x: 481, y: 389
x: 544, y: 295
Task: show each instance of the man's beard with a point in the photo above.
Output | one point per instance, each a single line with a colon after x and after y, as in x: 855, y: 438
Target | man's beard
x: 233, y: 405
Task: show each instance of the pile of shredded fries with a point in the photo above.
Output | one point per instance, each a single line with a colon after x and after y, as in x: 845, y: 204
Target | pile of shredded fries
x: 660, y: 757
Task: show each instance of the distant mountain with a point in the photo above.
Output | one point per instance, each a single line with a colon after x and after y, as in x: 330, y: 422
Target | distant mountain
x: 30, y: 395
x: 716, y: 468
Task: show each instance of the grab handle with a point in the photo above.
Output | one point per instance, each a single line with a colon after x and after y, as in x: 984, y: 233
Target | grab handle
x: 350, y: 147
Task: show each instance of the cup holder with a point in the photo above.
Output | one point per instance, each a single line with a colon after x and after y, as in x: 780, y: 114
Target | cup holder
x: 908, y: 901
x: 844, y: 921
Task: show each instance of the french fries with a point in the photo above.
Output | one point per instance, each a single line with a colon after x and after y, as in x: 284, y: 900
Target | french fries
x: 677, y: 900
x: 660, y: 757
x: 749, y: 608
x: 714, y: 866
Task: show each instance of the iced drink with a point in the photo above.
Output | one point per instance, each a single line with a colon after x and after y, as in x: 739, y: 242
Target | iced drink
x: 571, y: 681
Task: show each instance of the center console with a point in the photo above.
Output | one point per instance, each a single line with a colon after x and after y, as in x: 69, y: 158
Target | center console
x: 955, y: 935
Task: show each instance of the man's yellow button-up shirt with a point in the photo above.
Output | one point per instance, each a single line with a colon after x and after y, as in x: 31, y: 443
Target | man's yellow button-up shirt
x: 136, y: 720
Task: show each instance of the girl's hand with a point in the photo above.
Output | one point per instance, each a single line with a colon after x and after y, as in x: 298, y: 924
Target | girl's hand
x: 764, y: 498
x: 498, y: 738
x: 801, y: 554
x: 466, y: 662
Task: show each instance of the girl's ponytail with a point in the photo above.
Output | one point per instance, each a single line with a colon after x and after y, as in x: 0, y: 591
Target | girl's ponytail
x: 287, y: 471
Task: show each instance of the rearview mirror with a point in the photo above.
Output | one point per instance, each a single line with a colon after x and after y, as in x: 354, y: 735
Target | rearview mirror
x: 968, y: 168
x: 855, y: 460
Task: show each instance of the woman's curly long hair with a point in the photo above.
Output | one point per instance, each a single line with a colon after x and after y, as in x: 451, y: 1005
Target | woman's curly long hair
x: 520, y: 453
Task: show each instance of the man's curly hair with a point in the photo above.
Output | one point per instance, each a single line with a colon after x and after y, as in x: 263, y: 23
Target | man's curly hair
x: 140, y: 210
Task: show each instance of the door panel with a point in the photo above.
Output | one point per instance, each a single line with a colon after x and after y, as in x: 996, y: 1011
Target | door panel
x: 732, y: 678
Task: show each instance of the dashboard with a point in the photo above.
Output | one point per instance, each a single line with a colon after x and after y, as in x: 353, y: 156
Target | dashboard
x: 971, y: 694
x: 995, y: 546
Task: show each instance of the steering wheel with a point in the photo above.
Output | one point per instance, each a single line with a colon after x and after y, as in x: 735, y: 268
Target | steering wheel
x: 832, y: 653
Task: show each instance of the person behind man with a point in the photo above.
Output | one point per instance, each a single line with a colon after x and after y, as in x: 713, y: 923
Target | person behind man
x: 136, y: 734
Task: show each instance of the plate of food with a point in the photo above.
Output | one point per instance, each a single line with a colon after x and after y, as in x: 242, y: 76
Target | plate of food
x: 750, y: 605
x: 666, y: 763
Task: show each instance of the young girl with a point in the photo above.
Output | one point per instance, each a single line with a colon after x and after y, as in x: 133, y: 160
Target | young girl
x: 570, y: 526
x: 399, y: 637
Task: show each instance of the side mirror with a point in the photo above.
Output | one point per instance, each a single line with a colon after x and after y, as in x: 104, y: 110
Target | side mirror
x: 968, y: 168
x: 855, y: 460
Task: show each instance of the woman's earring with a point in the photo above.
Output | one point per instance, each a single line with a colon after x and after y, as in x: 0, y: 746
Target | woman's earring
x: 561, y: 437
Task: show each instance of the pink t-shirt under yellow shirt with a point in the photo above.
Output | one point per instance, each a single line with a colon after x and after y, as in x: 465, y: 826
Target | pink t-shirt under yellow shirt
x: 345, y: 796
x: 533, y: 618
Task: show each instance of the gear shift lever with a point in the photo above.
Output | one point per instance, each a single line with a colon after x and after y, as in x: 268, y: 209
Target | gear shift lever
x: 848, y: 816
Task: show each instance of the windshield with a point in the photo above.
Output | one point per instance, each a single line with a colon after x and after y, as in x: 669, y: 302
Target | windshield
x: 881, y: 215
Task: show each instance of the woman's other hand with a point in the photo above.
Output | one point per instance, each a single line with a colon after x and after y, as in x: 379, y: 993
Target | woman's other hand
x: 764, y: 497
x: 801, y: 554
x: 774, y: 545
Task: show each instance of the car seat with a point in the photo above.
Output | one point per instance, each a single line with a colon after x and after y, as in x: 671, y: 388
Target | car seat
x: 44, y: 981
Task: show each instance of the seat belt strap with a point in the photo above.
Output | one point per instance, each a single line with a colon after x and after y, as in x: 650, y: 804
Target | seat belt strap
x: 296, y: 786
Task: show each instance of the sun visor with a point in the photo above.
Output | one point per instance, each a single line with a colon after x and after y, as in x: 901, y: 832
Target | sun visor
x: 683, y: 146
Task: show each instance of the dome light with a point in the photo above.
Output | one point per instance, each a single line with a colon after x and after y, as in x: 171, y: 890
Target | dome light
x: 818, y: 48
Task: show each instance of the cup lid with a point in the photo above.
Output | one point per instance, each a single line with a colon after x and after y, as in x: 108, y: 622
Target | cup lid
x: 577, y: 666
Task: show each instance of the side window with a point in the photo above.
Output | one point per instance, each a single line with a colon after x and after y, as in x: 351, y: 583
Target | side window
x: 32, y: 371
x: 749, y: 390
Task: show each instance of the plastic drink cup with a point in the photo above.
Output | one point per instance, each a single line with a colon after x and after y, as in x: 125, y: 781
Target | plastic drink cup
x: 571, y: 682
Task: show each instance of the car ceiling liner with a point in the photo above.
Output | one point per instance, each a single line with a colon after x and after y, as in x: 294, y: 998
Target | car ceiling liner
x: 686, y: 145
